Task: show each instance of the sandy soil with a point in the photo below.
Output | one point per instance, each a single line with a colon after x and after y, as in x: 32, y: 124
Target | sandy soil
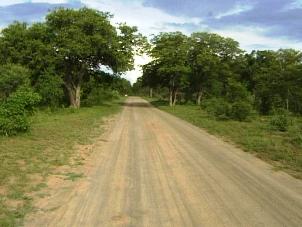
x: 153, y: 169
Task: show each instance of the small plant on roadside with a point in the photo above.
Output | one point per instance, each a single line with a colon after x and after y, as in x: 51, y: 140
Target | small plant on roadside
x: 241, y: 111
x: 280, y: 121
x: 100, y: 95
x: 15, y: 110
x: 219, y: 108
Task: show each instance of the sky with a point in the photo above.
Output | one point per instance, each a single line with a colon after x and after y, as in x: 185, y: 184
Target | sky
x: 255, y: 24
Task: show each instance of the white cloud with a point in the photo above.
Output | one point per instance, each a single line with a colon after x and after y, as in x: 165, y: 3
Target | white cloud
x: 49, y: 1
x: 10, y: 2
x: 237, y: 9
x: 13, y: 2
x: 294, y: 5
x: 149, y: 20
x: 252, y: 37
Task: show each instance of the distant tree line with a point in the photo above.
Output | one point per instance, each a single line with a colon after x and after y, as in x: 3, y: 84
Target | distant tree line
x: 214, y: 72
x: 61, y: 62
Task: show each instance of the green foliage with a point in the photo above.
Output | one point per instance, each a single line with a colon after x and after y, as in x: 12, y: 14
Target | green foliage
x: 208, y: 56
x: 218, y: 107
x: 13, y: 43
x: 14, y: 112
x: 241, y: 110
x: 236, y: 92
x: 72, y: 44
x: 22, y: 101
x: 11, y: 125
x: 280, y: 121
x: 17, y: 99
x: 224, y: 110
x: 104, y: 87
x: 85, y: 39
x: 274, y: 77
x: 100, y: 95
x: 50, y: 87
x: 11, y: 77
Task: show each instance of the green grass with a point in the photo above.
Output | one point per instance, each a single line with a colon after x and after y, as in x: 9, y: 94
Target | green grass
x: 282, y: 149
x: 73, y: 176
x: 27, y: 159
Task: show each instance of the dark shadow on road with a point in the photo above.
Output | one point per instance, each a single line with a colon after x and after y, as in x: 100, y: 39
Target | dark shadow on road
x: 137, y: 104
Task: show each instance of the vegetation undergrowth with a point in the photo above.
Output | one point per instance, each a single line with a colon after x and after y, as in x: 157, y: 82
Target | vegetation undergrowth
x: 27, y: 159
x: 281, y: 148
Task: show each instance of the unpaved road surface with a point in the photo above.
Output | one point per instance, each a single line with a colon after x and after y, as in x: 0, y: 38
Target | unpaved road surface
x: 157, y: 170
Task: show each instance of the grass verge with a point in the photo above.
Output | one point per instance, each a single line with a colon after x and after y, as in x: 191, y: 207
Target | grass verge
x: 282, y: 149
x: 27, y: 159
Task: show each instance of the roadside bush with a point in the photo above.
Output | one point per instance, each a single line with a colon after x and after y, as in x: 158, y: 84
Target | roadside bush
x: 241, y: 110
x: 280, y: 120
x: 15, y: 110
x: 217, y: 107
x: 22, y: 101
x: 50, y: 87
x: 295, y: 133
x: 99, y: 95
x: 13, y: 124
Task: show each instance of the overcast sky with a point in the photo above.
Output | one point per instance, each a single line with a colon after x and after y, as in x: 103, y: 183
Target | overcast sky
x: 256, y: 24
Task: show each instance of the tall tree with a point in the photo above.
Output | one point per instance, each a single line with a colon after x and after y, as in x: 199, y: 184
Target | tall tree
x: 170, y: 53
x: 210, y: 56
x: 150, y: 78
x: 203, y: 60
x: 84, y: 40
x: 276, y: 79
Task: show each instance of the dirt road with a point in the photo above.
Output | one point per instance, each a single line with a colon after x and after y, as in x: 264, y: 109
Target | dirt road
x: 157, y: 170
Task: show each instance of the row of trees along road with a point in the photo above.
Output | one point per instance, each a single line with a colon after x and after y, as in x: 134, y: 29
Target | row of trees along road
x: 57, y: 61
x: 214, y: 71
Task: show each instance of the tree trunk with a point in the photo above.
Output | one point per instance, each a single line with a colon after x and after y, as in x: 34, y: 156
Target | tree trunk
x: 151, y: 92
x: 287, y: 104
x: 171, y: 97
x: 198, y: 98
x: 287, y: 100
x: 74, y: 93
x: 174, y: 97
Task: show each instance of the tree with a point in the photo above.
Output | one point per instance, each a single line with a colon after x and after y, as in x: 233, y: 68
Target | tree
x: 170, y: 55
x: 275, y: 76
x: 211, y: 58
x: 203, y: 60
x: 150, y: 76
x: 49, y: 85
x: 289, y: 61
x: 11, y: 78
x: 84, y: 40
x: 13, y: 43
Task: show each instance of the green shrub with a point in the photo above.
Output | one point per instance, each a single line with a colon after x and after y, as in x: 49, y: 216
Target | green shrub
x: 280, y: 120
x: 218, y: 107
x: 22, y: 101
x: 50, y: 87
x: 13, y: 124
x: 295, y: 133
x: 99, y: 95
x: 15, y: 110
x: 241, y: 110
